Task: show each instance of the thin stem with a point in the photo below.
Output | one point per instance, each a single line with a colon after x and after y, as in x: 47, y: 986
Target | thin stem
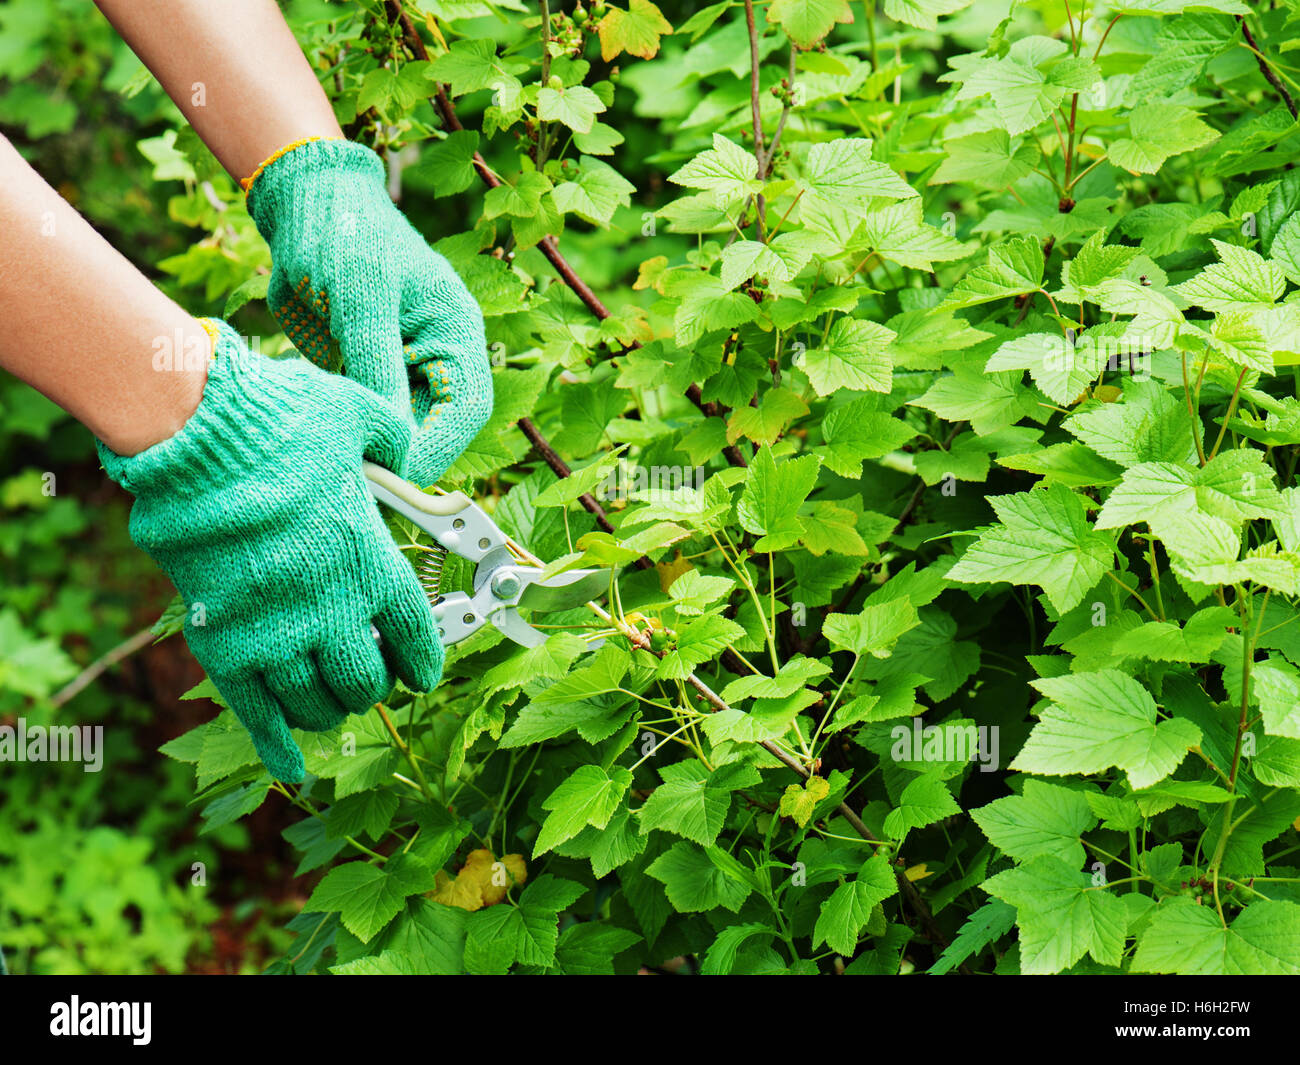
x: 1109, y: 26
x: 1266, y: 68
x: 546, y: 76
x: 406, y: 752
x: 760, y: 206
x: 1232, y: 407
x: 1191, y: 413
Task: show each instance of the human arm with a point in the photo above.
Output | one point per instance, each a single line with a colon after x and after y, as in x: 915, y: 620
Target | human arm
x: 234, y: 70
x: 80, y: 324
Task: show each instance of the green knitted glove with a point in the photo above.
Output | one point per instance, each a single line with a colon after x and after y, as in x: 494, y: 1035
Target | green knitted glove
x: 258, y: 509
x: 347, y: 263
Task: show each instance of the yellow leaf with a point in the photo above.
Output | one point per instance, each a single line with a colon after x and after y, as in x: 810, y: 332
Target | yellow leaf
x: 650, y: 274
x: 482, y: 880
x: 1107, y: 393
x: 432, y: 24
x: 917, y: 872
x: 670, y: 571
x: 635, y: 31
x: 799, y: 802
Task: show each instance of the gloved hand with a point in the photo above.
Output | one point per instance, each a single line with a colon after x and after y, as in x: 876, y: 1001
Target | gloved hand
x: 257, y: 508
x: 347, y: 263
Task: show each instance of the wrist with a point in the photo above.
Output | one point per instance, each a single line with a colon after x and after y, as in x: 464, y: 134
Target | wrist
x: 284, y: 182
x: 180, y: 365
x: 223, y: 427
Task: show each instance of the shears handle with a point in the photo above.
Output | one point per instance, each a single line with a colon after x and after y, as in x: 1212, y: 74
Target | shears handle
x: 453, y: 520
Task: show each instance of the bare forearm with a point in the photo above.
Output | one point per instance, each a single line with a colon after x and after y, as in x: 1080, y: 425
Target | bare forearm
x: 233, y: 68
x: 82, y: 325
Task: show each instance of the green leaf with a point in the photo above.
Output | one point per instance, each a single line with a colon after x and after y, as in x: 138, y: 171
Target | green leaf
x: 924, y: 14
x: 855, y: 356
x: 492, y: 937
x: 853, y: 432
x: 468, y: 66
x: 366, y: 896
x: 1182, y: 937
x: 604, y: 673
x: 520, y: 200
x: 726, y: 171
x: 793, y: 675
x: 721, y: 957
x: 765, y: 423
x: 1063, y: 370
x: 899, y: 233
x: 843, y: 172
x: 449, y: 162
x: 370, y: 812
x: 595, y: 193
x: 1147, y: 424
x: 1157, y: 131
x: 692, y: 802
x: 252, y: 289
x: 751, y: 258
x: 1235, y: 486
x: 588, y: 796
x: 575, y: 106
x: 987, y: 924
x: 1044, y: 538
x: 1061, y: 915
x: 770, y: 503
x: 1013, y: 269
x: 990, y: 159
x: 924, y: 801
x: 1045, y: 819
x: 990, y: 402
x: 703, y: 640
x: 1241, y: 280
x: 579, y: 483
x: 589, y: 949
x: 874, y: 630
x: 846, y: 912
x: 807, y: 21
x: 1103, y: 719
x: 693, y: 883
x: 1023, y: 92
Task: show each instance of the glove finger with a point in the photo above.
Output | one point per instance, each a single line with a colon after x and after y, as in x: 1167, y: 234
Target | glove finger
x: 260, y: 713
x: 385, y: 434
x: 355, y: 671
x: 451, y: 376
x: 411, y: 642
x: 308, y: 703
x: 369, y: 333
x: 303, y: 314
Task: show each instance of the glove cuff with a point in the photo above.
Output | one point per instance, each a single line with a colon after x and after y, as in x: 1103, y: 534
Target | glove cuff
x: 246, y: 403
x: 275, y: 186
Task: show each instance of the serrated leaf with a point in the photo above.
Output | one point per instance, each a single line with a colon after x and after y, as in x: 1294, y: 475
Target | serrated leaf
x: 846, y: 912
x: 1102, y: 719
x: 1182, y: 937
x: 1044, y: 538
x: 1044, y: 819
x: 1061, y: 915
x: 1156, y: 132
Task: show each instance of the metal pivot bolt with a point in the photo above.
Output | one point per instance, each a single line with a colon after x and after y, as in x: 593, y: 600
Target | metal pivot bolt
x: 505, y: 585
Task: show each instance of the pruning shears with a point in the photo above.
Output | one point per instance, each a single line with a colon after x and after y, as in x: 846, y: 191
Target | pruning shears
x: 503, y: 580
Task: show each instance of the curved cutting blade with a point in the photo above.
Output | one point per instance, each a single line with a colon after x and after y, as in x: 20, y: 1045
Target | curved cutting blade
x: 567, y: 590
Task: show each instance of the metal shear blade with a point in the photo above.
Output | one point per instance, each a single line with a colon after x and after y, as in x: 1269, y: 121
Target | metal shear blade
x: 502, y: 583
